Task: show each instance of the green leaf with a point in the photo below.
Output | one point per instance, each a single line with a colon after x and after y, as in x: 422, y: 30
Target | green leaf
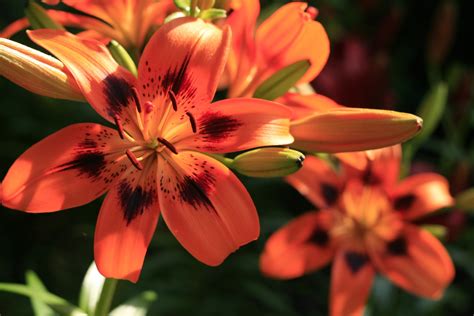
x: 439, y: 231
x: 278, y: 84
x: 39, y: 17
x: 183, y: 4
x: 39, y: 307
x: 58, y: 304
x: 213, y: 14
x: 91, y: 289
x: 431, y: 111
x: 465, y: 200
x: 137, y: 306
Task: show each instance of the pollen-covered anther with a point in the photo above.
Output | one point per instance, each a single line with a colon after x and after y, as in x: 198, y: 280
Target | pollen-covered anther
x: 135, y: 162
x: 172, y: 97
x: 168, y: 145
x: 118, y: 123
x: 312, y: 12
x: 192, y: 120
x: 136, y: 98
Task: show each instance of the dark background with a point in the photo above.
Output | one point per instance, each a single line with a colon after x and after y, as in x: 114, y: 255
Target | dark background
x: 379, y: 59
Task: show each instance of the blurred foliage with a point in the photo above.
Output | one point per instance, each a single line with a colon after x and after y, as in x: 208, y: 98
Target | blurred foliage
x: 393, y: 34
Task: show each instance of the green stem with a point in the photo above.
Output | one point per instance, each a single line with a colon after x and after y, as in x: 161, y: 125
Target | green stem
x: 105, y: 300
x: 192, y: 10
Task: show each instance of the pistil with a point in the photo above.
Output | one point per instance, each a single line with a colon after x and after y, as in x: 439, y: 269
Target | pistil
x: 136, y: 98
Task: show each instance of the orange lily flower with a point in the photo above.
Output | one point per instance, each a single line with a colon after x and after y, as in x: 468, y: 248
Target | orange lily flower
x: 287, y: 36
x: 318, y: 124
x: 365, y: 224
x: 129, y: 22
x: 155, y: 162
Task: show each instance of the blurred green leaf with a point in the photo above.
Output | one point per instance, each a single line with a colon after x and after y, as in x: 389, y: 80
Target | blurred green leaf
x: 278, y: 84
x: 39, y: 17
x: 183, y: 4
x: 431, y: 110
x: 39, y: 307
x: 58, y: 304
x: 439, y: 231
x: 91, y: 288
x: 465, y: 200
x: 137, y: 306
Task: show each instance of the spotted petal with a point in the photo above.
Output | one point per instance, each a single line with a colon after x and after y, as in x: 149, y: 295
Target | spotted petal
x: 237, y: 124
x: 300, y: 247
x: 417, y: 262
x: 205, y: 206
x: 106, y: 85
x: 126, y: 223
x: 351, y: 280
x: 66, y: 169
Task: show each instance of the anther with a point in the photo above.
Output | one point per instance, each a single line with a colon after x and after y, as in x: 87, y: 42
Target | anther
x: 148, y: 107
x: 192, y: 121
x: 136, y: 99
x: 173, y: 100
x: 134, y: 160
x: 168, y: 145
x: 118, y: 123
x: 313, y: 12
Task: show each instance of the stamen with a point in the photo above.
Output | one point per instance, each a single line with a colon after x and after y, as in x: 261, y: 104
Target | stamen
x: 168, y: 145
x: 148, y: 107
x: 313, y: 12
x: 137, y: 164
x: 118, y: 123
x: 173, y: 100
x: 192, y: 121
x: 137, y: 99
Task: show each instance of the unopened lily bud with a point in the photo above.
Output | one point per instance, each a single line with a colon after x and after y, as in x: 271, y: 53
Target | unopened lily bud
x: 268, y: 162
x: 37, y: 72
x: 206, y: 4
x: 51, y: 2
x: 39, y: 17
x: 353, y: 129
x: 121, y: 56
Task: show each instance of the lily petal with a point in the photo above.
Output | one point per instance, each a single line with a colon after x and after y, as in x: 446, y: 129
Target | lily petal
x: 353, y: 129
x: 307, y: 105
x: 417, y: 262
x: 37, y: 72
x: 126, y: 223
x: 239, y: 124
x: 241, y: 61
x: 290, y: 35
x: 421, y: 194
x: 106, y: 85
x: 351, y: 280
x: 66, y: 169
x: 300, y: 247
x: 318, y: 182
x: 205, y: 206
x: 182, y: 75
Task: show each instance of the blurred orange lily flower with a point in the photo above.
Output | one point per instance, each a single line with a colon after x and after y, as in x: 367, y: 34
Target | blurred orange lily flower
x: 365, y: 224
x: 318, y: 124
x: 289, y: 35
x: 129, y: 22
x: 155, y: 159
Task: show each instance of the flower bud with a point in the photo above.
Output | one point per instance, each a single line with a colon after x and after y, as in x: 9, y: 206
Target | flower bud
x: 121, y: 56
x: 37, y: 72
x: 268, y: 162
